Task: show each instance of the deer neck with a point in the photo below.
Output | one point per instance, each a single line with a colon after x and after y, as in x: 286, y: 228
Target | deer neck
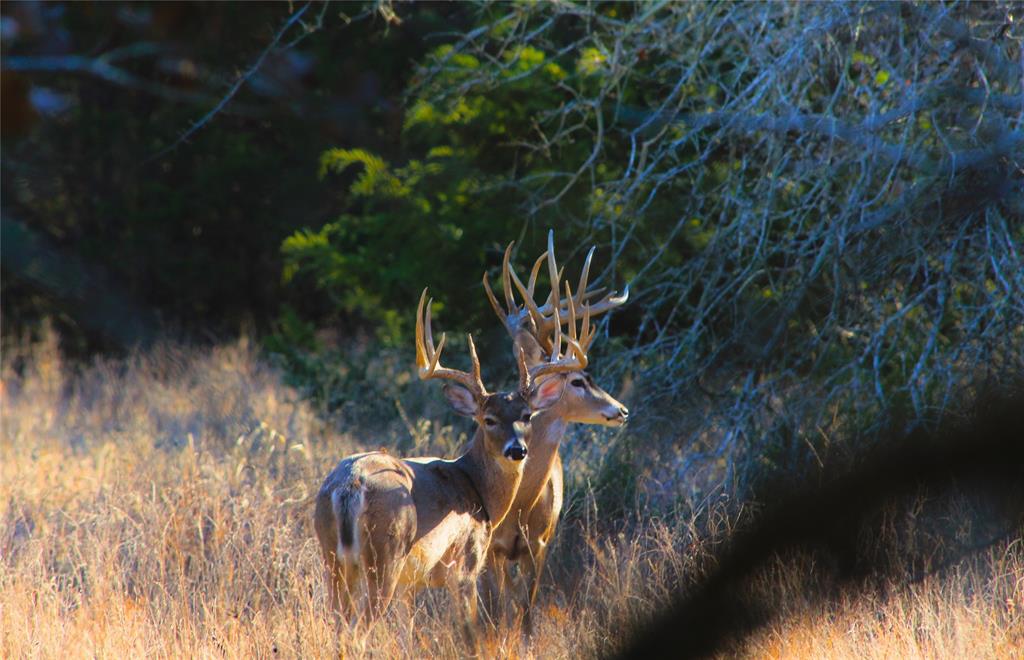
x: 496, y: 481
x: 547, y: 429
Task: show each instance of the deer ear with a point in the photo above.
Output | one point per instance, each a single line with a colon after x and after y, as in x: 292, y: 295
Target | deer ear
x: 461, y: 400
x: 547, y: 393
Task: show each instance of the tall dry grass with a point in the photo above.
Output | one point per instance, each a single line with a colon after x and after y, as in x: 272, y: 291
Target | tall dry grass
x: 160, y: 506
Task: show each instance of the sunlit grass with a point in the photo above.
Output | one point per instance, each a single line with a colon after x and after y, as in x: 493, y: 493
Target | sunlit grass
x: 959, y: 616
x: 160, y: 506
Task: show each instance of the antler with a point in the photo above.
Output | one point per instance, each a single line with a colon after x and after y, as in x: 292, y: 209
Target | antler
x: 428, y: 358
x: 578, y: 345
x: 541, y: 321
x: 610, y: 301
x: 525, y: 379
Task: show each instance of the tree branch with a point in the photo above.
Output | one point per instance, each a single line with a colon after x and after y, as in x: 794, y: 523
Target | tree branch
x: 205, y: 119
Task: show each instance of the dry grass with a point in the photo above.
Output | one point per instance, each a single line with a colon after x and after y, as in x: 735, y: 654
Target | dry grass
x: 975, y: 609
x: 963, y: 615
x: 160, y: 506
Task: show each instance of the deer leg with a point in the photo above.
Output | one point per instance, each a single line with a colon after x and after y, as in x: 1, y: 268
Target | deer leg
x: 340, y: 579
x: 331, y: 580
x: 465, y: 594
x: 346, y: 581
x: 382, y: 564
x: 381, y: 584
x: 532, y: 568
x: 513, y: 598
x: 492, y: 584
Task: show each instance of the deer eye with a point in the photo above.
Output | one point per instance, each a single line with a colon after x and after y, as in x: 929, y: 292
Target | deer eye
x: 578, y: 382
x: 526, y: 417
x: 490, y: 421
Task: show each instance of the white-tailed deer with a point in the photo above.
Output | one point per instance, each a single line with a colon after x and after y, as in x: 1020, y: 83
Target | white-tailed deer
x: 524, y: 535
x: 384, y: 523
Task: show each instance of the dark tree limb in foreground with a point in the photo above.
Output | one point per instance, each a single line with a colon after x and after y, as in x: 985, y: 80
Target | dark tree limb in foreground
x: 980, y: 455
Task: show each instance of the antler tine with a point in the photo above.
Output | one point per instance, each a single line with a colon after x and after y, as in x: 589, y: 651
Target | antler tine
x: 553, y: 271
x: 556, y: 323
x: 556, y: 277
x: 426, y: 335
x: 585, y: 274
x: 422, y: 358
x: 531, y: 306
x: 586, y: 334
x: 429, y: 331
x: 474, y: 360
x: 510, y: 302
x: 577, y: 362
x: 579, y: 355
x: 611, y: 301
x: 495, y: 306
x: 428, y: 358
x: 572, y: 312
x: 593, y: 293
x: 534, y: 272
x: 549, y: 303
x: 524, y: 373
x: 512, y: 318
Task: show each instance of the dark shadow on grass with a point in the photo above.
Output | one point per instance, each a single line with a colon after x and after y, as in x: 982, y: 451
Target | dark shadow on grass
x: 980, y: 455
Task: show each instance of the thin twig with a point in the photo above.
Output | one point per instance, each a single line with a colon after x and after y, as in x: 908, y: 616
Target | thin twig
x: 234, y: 88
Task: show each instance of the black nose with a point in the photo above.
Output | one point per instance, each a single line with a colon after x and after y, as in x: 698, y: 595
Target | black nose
x: 516, y: 452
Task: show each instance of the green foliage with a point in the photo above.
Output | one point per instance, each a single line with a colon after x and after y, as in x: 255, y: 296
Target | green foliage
x: 375, y: 178
x: 432, y: 219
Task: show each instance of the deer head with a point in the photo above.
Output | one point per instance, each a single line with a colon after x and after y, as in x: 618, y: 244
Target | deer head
x: 502, y: 417
x: 536, y: 332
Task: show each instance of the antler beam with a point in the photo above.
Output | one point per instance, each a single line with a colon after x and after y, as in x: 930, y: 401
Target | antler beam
x: 428, y: 358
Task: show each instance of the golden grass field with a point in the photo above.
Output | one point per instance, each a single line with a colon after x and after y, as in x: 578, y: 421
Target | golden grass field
x: 160, y: 506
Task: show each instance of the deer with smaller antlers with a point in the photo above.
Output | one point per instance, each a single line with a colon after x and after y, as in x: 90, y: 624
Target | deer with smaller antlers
x: 524, y: 535
x: 386, y: 524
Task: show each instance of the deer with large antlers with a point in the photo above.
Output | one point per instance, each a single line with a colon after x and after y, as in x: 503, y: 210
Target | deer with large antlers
x: 536, y: 332
x: 384, y: 523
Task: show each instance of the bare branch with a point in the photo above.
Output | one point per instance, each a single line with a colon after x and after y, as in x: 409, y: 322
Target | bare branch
x: 202, y: 121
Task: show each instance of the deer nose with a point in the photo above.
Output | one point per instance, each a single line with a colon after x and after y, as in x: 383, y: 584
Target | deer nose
x: 515, y: 450
x: 620, y: 416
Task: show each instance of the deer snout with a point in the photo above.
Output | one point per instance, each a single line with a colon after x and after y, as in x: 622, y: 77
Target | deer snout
x: 515, y: 450
x: 617, y: 415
